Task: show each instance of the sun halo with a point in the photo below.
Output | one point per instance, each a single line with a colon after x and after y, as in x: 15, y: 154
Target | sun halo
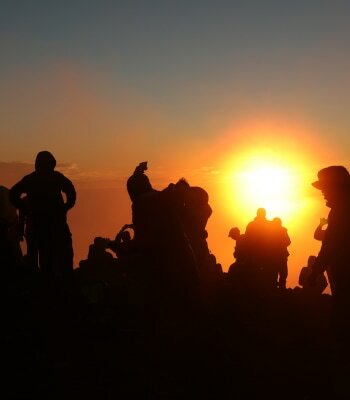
x: 265, y: 182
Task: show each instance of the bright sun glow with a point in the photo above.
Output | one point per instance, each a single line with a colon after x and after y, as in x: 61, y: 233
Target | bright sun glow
x: 265, y: 180
x: 263, y: 184
x: 268, y: 164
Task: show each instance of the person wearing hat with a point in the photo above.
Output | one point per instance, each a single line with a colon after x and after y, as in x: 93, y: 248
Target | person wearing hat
x: 334, y: 183
x: 39, y: 195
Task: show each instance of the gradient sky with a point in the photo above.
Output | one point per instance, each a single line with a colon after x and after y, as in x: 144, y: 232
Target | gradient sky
x: 186, y: 85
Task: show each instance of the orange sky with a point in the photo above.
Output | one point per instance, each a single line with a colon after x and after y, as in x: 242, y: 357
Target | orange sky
x: 103, y: 205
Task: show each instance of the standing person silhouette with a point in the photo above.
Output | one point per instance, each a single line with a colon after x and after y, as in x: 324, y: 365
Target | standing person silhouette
x: 10, y: 233
x: 319, y: 235
x: 334, y: 183
x: 257, y: 246
x: 46, y: 210
x: 320, y: 229
x: 280, y: 241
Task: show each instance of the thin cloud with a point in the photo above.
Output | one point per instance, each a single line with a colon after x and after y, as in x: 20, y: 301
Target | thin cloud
x: 11, y: 172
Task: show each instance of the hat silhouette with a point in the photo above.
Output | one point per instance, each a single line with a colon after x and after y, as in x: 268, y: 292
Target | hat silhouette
x: 335, y: 175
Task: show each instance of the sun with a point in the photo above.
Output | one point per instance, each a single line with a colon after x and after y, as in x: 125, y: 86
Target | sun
x: 261, y: 179
x: 266, y: 184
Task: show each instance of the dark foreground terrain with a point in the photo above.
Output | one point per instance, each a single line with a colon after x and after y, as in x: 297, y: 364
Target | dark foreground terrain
x: 88, y: 340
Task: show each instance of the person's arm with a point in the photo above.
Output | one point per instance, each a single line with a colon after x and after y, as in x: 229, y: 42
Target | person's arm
x: 283, y: 273
x: 141, y: 168
x: 322, y: 261
x: 16, y: 192
x: 319, y: 232
x: 287, y: 239
x: 302, y: 276
x: 68, y: 189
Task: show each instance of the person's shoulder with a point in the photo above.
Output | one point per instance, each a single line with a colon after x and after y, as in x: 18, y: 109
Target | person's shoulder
x: 60, y: 176
x: 28, y: 178
x: 305, y: 270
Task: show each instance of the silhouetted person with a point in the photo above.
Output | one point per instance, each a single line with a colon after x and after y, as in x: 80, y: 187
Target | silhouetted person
x: 239, y: 252
x: 123, y: 244
x: 100, y: 264
x: 279, y: 252
x: 46, y: 212
x: 194, y: 216
x: 319, y: 235
x: 10, y: 232
x: 199, y: 210
x: 334, y: 182
x: 169, y: 267
x: 8, y: 212
x: 173, y: 246
x: 320, y: 231
x: 321, y: 281
x: 142, y: 196
x: 258, y: 245
x: 98, y: 254
x: 242, y: 273
x: 138, y: 183
x: 26, y: 229
x: 258, y: 225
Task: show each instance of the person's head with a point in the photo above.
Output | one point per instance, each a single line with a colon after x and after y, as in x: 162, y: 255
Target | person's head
x: 45, y: 162
x: 125, y: 236
x: 277, y: 221
x: 141, y: 168
x: 261, y: 213
x: 182, y: 184
x: 101, y: 243
x: 197, y: 196
x: 333, y: 182
x: 311, y: 261
x: 138, y: 184
x: 181, y: 187
x: 234, y: 233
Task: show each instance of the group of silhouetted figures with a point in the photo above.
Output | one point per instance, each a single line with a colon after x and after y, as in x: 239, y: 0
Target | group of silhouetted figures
x: 166, y: 243
x: 261, y: 254
x: 162, y: 259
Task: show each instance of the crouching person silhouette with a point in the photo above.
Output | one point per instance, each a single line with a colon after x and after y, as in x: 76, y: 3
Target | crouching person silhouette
x: 46, y: 210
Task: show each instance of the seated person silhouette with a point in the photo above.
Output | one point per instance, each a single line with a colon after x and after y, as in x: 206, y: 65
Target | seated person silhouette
x: 123, y: 244
x: 239, y: 250
x: 100, y: 263
x: 321, y: 281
